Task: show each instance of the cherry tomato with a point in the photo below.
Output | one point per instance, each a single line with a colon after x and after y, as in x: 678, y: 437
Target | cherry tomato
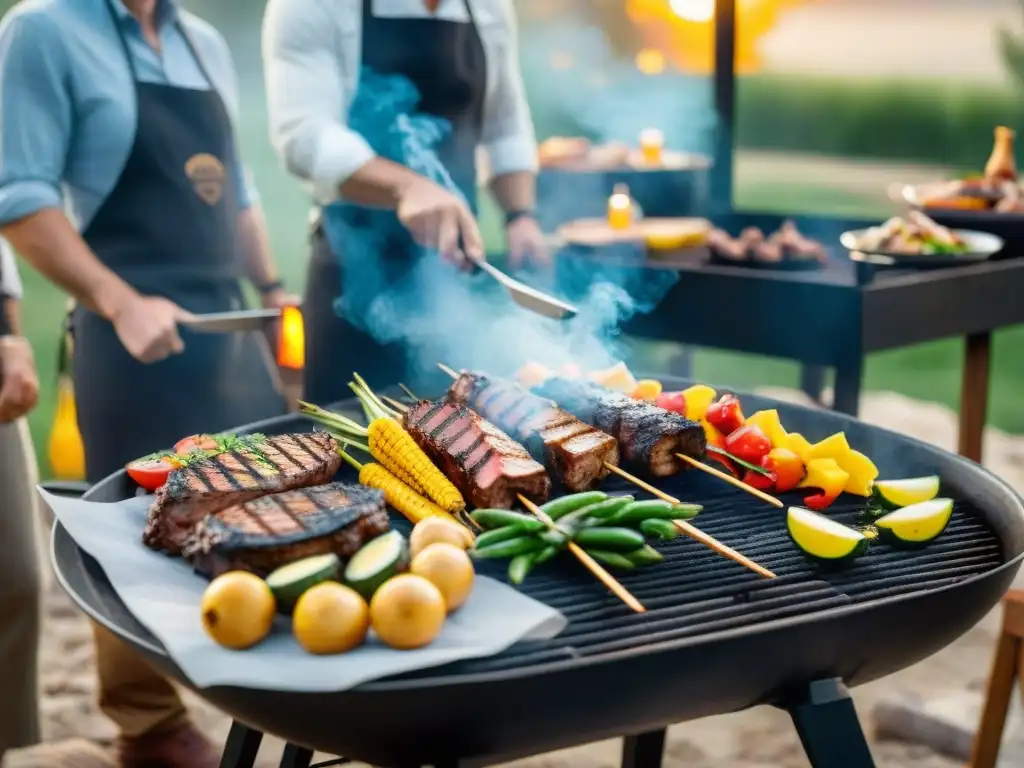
x: 195, y: 443
x: 748, y: 443
x: 672, y: 401
x: 150, y: 474
x: 726, y: 415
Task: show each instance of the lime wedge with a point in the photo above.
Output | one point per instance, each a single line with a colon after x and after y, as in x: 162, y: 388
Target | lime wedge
x: 916, y: 524
x: 823, y: 539
x: 893, y: 494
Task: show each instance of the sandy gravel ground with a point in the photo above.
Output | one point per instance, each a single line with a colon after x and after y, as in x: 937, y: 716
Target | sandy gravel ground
x: 760, y: 738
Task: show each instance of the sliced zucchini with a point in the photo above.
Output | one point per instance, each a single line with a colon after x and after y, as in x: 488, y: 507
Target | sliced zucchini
x: 376, y: 562
x: 823, y: 539
x: 289, y: 582
x: 917, y: 524
x: 893, y: 494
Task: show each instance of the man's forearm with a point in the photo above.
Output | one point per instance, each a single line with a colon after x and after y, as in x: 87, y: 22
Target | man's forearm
x: 515, y: 191
x: 10, y: 315
x: 255, y: 245
x: 48, y: 241
x: 378, y: 184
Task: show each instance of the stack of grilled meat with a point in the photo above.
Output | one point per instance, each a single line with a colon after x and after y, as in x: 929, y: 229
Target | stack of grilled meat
x: 243, y: 510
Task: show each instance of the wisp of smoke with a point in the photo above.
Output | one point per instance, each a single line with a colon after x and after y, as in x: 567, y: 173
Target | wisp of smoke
x: 439, y: 314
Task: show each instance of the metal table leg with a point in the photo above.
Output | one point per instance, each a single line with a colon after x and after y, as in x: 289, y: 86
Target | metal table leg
x: 241, y: 748
x: 645, y: 750
x: 812, y: 381
x: 846, y: 397
x: 826, y: 721
x: 974, y: 393
x: 296, y: 757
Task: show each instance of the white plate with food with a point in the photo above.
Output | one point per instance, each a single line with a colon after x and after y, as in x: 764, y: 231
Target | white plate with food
x: 917, y: 241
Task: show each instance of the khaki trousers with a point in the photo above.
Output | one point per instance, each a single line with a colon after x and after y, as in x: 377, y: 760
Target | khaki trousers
x: 21, y: 585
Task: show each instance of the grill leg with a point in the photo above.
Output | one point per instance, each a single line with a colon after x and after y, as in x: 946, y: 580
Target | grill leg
x: 241, y: 748
x: 645, y: 750
x: 296, y: 757
x: 827, y: 724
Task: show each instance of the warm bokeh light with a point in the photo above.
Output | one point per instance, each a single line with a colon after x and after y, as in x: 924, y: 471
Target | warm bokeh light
x: 683, y: 31
x: 651, y: 142
x: 291, y: 345
x: 650, y: 61
x: 693, y: 10
x: 620, y: 208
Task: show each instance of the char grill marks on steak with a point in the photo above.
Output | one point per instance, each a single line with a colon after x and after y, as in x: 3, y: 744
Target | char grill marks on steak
x: 649, y: 437
x: 265, y: 533
x: 487, y: 466
x: 203, y: 487
x: 574, y: 452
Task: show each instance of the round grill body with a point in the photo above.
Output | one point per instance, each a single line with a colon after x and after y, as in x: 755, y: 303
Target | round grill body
x: 716, y: 637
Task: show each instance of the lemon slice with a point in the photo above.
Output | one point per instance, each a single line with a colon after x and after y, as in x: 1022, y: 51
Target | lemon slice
x: 893, y: 494
x: 917, y: 524
x: 823, y: 539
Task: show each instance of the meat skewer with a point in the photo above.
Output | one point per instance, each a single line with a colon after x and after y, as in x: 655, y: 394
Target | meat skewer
x: 575, y: 453
x: 684, y: 526
x: 649, y: 437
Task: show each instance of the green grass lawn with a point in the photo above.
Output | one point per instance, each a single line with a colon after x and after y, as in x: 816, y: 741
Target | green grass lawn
x: 927, y: 372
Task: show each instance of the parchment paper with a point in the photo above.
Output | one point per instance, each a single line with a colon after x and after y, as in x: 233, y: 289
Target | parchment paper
x: 164, y: 594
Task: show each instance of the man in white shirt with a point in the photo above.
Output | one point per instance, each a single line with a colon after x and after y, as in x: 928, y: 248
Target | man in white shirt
x: 462, y: 58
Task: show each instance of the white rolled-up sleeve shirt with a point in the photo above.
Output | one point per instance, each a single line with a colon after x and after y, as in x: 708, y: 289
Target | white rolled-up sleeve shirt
x: 312, y: 56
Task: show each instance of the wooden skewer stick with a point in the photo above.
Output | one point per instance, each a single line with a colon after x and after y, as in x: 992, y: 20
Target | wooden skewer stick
x: 692, y: 531
x: 400, y: 407
x: 730, y: 480
x: 450, y: 371
x: 408, y: 391
x: 592, y: 565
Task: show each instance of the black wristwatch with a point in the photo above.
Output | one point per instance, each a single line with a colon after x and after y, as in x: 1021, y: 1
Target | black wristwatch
x: 266, y: 288
x: 513, y: 216
x: 5, y: 327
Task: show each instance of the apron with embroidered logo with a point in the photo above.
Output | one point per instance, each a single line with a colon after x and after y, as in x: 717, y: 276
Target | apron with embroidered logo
x: 169, y: 229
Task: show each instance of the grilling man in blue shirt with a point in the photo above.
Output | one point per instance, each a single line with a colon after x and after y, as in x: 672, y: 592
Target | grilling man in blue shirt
x: 120, y: 112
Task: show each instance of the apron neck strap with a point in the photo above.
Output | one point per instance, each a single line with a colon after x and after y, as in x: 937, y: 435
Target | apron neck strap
x: 115, y: 19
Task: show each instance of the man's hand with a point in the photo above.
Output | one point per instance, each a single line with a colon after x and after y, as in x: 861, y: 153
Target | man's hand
x: 279, y: 298
x: 438, y: 219
x: 526, y: 244
x: 19, y: 382
x: 148, y: 327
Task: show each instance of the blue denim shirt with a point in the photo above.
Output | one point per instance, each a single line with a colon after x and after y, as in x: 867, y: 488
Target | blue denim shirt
x: 67, y: 100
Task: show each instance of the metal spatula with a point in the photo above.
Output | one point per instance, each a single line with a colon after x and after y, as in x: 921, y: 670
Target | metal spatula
x: 232, y: 322
x: 527, y: 297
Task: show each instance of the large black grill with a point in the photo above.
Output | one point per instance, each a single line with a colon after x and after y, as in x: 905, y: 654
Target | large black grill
x: 716, y: 637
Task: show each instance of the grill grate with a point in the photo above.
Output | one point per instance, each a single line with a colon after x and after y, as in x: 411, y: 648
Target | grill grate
x: 696, y: 592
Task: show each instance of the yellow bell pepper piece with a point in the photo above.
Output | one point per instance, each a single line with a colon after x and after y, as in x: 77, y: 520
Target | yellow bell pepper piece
x: 827, y: 476
x: 798, y: 444
x: 832, y: 447
x: 698, y: 399
x: 769, y: 423
x: 714, y: 437
x: 862, y: 473
x: 647, y: 389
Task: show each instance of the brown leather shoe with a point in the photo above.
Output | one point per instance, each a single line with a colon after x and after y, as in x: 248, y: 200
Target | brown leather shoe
x: 185, y: 747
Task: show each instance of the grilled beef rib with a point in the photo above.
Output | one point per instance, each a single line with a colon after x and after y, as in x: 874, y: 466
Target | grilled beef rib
x: 574, y: 452
x: 487, y: 466
x: 206, y: 486
x: 649, y: 437
x: 262, y: 534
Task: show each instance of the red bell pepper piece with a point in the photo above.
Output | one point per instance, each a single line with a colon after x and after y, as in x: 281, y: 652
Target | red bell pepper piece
x: 820, y: 501
x: 787, y: 467
x: 761, y: 482
x: 748, y: 443
x: 726, y: 415
x: 672, y: 401
x: 726, y: 462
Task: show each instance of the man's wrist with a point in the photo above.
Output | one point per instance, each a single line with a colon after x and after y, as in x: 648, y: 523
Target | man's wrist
x: 109, y: 300
x: 511, y: 217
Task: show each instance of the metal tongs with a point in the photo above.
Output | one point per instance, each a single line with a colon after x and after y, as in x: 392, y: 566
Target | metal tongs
x: 527, y: 297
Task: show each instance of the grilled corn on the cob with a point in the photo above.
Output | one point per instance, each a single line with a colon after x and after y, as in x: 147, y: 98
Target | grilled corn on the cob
x: 393, y: 447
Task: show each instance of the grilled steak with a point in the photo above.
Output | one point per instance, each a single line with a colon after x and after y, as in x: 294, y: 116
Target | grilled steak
x: 265, y: 533
x: 649, y: 437
x: 574, y: 452
x: 203, y: 487
x: 487, y: 466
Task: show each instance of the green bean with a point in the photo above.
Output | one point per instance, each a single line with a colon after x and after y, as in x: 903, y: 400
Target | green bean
x: 498, y: 518
x: 520, y: 566
x: 665, y: 530
x: 612, y: 539
x: 645, y: 555
x: 496, y: 535
x: 557, y: 508
x: 655, y: 509
x: 510, y: 548
x: 614, y: 559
